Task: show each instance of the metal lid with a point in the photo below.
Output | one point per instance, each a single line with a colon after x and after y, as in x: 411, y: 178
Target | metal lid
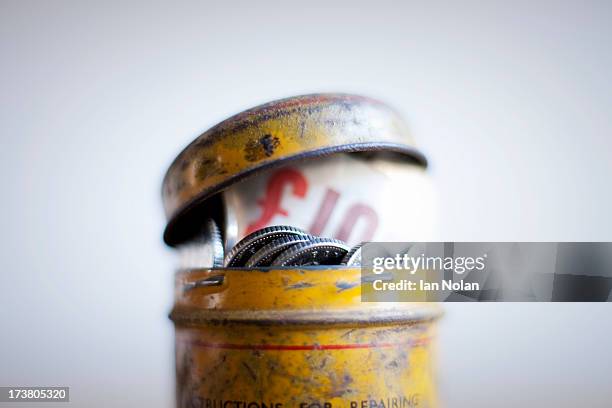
x: 272, y: 135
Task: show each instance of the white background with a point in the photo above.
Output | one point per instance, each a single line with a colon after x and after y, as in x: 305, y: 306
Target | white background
x: 511, y: 101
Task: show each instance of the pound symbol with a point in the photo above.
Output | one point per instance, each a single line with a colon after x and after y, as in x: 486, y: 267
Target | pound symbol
x: 271, y: 204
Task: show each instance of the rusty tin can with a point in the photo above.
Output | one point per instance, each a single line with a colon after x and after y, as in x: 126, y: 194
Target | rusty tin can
x: 293, y: 337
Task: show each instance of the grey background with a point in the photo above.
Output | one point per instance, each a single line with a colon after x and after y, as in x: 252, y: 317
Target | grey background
x: 511, y: 101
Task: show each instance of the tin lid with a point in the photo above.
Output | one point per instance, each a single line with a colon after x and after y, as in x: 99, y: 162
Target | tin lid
x: 271, y: 135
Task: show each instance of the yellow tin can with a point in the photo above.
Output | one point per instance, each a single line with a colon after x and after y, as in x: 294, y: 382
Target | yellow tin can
x: 302, y: 338
x: 292, y: 337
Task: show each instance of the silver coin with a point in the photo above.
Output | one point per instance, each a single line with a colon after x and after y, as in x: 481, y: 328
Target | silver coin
x: 318, y: 251
x: 353, y: 257
x: 230, y: 224
x: 252, y: 243
x: 205, y: 250
x: 268, y: 253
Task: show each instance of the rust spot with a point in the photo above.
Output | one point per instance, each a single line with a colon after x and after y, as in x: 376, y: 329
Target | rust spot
x: 261, y: 148
x: 207, y: 167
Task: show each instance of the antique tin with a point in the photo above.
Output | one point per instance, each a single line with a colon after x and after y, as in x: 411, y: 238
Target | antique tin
x: 299, y: 336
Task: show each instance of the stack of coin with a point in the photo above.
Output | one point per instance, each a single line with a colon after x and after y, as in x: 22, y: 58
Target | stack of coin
x: 289, y: 246
x: 272, y: 246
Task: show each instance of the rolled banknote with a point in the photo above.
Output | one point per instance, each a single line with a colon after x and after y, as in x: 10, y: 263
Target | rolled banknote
x: 350, y: 197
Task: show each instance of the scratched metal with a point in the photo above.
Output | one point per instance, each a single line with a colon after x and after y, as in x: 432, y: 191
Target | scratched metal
x: 299, y: 338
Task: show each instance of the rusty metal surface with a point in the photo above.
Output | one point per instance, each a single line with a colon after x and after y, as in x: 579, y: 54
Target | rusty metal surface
x: 298, y: 338
x: 272, y: 135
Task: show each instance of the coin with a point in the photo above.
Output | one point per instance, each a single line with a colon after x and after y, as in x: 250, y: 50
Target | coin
x: 253, y: 242
x: 317, y: 251
x: 205, y: 250
x: 353, y: 257
x: 268, y: 253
